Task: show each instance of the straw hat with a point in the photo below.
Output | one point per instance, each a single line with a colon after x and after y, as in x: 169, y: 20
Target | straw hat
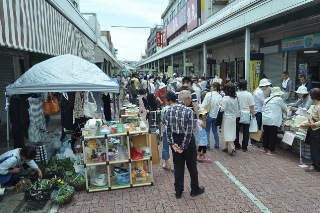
x: 276, y: 91
x: 264, y: 82
x: 162, y: 85
x: 302, y: 90
x: 202, y: 111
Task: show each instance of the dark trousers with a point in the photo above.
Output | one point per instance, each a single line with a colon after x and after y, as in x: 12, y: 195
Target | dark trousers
x: 189, y: 157
x: 245, y: 132
x: 269, y: 137
x: 315, y: 148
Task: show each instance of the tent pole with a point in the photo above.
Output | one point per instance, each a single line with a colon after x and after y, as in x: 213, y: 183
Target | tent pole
x: 8, y: 132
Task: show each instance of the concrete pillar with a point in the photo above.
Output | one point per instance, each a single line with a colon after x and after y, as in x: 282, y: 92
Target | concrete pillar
x: 184, y: 58
x: 204, y: 59
x: 172, y: 64
x: 164, y: 65
x: 247, y: 56
x: 158, y: 65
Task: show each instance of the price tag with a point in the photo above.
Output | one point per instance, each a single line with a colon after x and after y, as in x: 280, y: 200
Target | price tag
x: 288, y: 138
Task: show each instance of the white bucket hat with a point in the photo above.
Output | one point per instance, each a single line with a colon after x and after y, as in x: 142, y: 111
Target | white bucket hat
x: 276, y: 91
x: 264, y: 82
x: 302, y: 90
x: 202, y: 111
x: 162, y: 85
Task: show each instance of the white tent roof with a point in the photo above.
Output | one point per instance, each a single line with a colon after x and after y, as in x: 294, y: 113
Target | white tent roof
x: 64, y: 73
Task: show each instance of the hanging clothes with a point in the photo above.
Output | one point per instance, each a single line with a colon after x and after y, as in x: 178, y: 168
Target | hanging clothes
x: 66, y: 106
x: 107, y: 106
x: 19, y: 118
x: 78, y: 106
x: 37, y: 130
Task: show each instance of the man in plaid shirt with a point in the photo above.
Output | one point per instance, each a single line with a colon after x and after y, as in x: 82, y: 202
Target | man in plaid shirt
x: 179, y: 122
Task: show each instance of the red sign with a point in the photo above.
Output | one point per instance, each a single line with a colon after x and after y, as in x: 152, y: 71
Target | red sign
x: 158, y: 37
x: 164, y: 38
x: 192, y: 17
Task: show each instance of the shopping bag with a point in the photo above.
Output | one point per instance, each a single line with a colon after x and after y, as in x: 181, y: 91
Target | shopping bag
x: 51, y: 105
x: 219, y: 118
x: 245, y: 117
x: 253, y: 125
x: 257, y: 136
x: 89, y: 108
x: 208, y: 105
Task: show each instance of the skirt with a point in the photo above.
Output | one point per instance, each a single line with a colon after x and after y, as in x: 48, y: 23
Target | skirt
x: 228, y: 128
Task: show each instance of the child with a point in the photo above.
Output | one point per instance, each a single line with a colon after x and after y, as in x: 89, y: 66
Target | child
x: 202, y: 136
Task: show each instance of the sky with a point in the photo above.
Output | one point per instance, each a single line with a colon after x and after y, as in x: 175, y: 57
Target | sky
x: 136, y: 13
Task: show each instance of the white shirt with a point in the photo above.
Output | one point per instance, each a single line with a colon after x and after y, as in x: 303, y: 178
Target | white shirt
x: 272, y: 111
x: 203, y: 84
x: 215, y: 100
x: 152, y: 88
x: 258, y: 97
x: 229, y: 106
x: 14, y: 161
x: 245, y: 99
x: 197, y: 90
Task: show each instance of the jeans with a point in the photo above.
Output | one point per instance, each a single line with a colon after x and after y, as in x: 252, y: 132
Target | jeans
x: 245, y: 132
x: 212, y: 122
x: 165, y: 148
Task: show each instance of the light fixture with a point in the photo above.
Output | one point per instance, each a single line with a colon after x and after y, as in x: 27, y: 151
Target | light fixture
x: 310, y: 51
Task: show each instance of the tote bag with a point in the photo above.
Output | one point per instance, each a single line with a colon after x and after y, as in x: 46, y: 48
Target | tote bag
x: 89, y: 108
x: 51, y: 105
x: 245, y: 116
x: 207, y: 107
x: 219, y: 118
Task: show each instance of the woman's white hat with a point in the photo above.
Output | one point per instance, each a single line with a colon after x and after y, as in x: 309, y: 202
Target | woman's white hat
x: 302, y: 90
x: 162, y: 85
x: 276, y: 91
x: 264, y: 82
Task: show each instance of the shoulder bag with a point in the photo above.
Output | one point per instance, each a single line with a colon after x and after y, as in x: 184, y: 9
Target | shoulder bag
x: 51, y: 105
x: 89, y: 108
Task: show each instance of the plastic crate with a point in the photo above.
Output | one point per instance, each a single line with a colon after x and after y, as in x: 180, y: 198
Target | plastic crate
x: 37, y: 195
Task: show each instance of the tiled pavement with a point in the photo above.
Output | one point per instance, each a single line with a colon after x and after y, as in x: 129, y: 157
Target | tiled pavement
x: 276, y: 181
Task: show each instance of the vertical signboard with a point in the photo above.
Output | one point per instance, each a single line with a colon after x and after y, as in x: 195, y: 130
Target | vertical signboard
x: 203, y: 11
x: 158, y: 38
x: 164, y: 37
x: 192, y: 17
x: 254, y: 74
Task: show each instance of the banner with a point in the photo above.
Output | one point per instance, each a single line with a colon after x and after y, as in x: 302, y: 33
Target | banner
x: 170, y: 71
x: 158, y: 37
x: 192, y: 16
x: 254, y: 74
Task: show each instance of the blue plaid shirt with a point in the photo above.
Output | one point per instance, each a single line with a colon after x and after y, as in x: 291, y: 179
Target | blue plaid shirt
x: 180, y: 121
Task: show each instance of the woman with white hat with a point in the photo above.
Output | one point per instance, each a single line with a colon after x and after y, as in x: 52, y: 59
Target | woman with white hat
x: 259, y: 97
x: 304, y: 100
x: 273, y: 108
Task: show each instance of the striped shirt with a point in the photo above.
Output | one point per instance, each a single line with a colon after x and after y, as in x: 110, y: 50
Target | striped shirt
x: 193, y: 93
x: 179, y: 121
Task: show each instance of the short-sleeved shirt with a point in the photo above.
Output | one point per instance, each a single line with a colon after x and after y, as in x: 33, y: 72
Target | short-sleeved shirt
x: 162, y: 95
x: 245, y: 99
x: 193, y: 93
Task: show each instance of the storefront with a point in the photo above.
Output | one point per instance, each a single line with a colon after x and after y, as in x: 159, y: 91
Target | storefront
x: 307, y: 56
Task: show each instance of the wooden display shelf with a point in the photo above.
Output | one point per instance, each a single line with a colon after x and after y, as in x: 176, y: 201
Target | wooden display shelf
x: 86, y: 137
x: 119, y: 161
x: 146, y: 182
x: 98, y: 188
x: 144, y: 158
x: 129, y: 115
x: 94, y: 163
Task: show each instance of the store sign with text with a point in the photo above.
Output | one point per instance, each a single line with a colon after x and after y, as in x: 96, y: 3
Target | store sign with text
x: 254, y: 74
x: 177, y: 22
x: 158, y: 37
x: 164, y: 37
x: 301, y: 42
x: 192, y: 16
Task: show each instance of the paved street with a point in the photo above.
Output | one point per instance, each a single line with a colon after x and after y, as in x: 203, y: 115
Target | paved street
x: 272, y: 183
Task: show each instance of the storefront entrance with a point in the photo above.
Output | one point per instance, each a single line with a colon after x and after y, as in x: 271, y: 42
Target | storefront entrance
x: 308, y: 63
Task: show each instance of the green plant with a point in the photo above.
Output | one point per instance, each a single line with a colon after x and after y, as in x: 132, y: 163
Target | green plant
x: 63, y: 195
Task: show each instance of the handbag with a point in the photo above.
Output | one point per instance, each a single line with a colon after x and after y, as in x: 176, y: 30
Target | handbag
x: 245, y: 117
x: 207, y: 107
x: 219, y: 118
x: 257, y: 136
x: 89, y: 108
x: 51, y: 105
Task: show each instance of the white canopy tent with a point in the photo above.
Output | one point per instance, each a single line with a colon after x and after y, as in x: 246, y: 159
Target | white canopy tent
x: 64, y: 73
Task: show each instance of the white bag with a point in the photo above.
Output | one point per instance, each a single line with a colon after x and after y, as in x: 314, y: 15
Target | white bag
x: 89, y: 108
x: 253, y: 125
